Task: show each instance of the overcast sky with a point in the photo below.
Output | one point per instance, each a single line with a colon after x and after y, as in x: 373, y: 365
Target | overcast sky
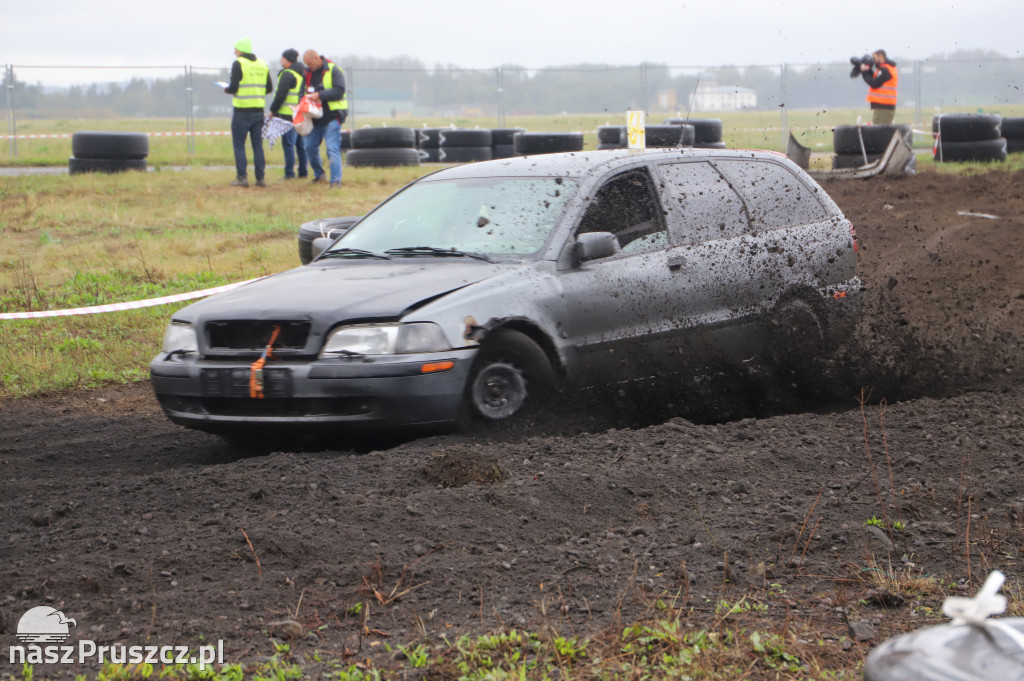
x: 486, y: 34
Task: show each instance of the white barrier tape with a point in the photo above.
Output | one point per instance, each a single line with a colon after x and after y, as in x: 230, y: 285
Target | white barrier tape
x: 151, y: 134
x: 130, y: 305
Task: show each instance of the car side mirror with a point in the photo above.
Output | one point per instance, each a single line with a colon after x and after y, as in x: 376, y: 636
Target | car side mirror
x: 594, y: 245
x: 319, y: 245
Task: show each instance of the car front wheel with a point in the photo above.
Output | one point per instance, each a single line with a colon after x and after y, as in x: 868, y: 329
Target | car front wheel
x: 510, y: 378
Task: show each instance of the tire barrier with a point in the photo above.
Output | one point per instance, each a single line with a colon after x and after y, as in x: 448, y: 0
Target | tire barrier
x: 108, y: 152
x: 383, y: 148
x: 325, y: 227
x: 706, y: 131
x: 452, y: 154
x: 846, y: 139
x: 670, y: 136
x: 457, y: 145
x: 502, y: 145
x: 963, y: 138
x: 530, y: 143
x: 1013, y: 133
x: 612, y: 137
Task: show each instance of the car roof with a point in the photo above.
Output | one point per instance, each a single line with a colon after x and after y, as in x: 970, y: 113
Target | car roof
x: 580, y: 163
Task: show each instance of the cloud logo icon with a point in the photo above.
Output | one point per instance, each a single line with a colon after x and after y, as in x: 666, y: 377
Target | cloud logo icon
x: 43, y: 624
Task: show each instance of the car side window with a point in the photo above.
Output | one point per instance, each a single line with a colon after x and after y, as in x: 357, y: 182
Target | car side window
x: 627, y: 207
x: 702, y: 204
x: 775, y: 196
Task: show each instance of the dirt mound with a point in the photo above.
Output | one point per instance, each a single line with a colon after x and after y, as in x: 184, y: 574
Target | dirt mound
x: 144, y: 531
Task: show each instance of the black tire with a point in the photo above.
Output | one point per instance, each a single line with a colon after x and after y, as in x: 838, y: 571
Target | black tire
x: 846, y: 138
x: 383, y: 138
x: 527, y: 143
x: 966, y: 152
x: 967, y: 127
x: 383, y: 158
x: 464, y: 154
x: 1015, y: 145
x: 1013, y: 128
x: 612, y: 134
x: 511, y: 379
x: 432, y: 155
x: 705, y: 130
x: 346, y: 140
x: 503, y: 150
x: 110, y: 145
x: 324, y: 227
x: 669, y: 136
x: 604, y: 147
x: 104, y: 165
x: 504, y: 136
x: 427, y: 138
x: 852, y: 160
x: 798, y: 341
x: 464, y: 138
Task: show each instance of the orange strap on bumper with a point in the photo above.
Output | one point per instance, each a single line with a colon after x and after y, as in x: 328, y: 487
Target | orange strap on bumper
x: 256, y: 368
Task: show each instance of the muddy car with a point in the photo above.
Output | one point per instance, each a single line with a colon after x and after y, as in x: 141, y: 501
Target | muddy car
x: 476, y: 292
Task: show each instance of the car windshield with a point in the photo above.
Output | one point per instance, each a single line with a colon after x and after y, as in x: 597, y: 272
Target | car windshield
x: 494, y: 215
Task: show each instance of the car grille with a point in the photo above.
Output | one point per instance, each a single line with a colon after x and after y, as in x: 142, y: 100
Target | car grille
x: 277, y: 382
x: 254, y: 335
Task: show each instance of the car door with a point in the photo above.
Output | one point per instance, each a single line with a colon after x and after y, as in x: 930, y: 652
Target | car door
x: 616, y: 310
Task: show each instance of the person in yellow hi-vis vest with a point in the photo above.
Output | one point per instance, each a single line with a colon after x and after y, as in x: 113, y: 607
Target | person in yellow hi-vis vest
x: 289, y: 90
x: 250, y: 84
x: 325, y: 85
x: 882, y: 79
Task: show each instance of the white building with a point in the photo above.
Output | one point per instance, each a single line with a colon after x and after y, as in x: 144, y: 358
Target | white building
x: 710, y: 96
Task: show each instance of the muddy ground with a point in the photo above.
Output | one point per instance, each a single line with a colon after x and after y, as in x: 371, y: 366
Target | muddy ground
x: 146, y: 532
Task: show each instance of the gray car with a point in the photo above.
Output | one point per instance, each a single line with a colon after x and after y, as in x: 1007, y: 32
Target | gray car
x: 474, y: 293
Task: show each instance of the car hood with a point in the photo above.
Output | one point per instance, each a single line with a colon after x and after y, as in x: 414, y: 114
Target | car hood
x: 338, y: 291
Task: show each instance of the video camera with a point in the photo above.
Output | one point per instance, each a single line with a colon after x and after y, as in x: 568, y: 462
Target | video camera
x: 857, y: 61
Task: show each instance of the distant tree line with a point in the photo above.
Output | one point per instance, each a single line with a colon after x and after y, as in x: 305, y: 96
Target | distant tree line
x: 963, y: 78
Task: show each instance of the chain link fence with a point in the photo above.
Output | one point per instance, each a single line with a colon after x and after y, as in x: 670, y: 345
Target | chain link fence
x: 49, y: 97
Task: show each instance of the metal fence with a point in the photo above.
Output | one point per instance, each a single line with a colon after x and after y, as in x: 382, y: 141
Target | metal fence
x: 59, y: 93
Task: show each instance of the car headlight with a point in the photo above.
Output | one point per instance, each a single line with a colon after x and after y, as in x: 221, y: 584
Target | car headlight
x: 385, y: 339
x: 180, y: 337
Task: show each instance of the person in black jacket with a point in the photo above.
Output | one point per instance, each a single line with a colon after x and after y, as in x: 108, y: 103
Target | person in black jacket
x: 325, y: 85
x: 882, y: 79
x: 290, y: 88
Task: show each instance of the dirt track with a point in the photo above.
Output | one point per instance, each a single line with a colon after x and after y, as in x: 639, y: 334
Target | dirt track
x: 139, y: 528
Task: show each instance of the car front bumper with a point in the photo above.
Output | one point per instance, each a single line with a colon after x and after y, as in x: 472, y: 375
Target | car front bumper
x: 214, y: 395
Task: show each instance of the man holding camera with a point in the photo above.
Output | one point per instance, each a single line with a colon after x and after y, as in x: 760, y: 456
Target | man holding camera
x: 882, y: 78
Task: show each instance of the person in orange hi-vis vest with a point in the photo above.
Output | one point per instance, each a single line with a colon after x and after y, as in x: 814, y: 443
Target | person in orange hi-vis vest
x: 882, y: 79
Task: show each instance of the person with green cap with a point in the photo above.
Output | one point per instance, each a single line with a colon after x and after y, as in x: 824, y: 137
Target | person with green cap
x: 250, y: 84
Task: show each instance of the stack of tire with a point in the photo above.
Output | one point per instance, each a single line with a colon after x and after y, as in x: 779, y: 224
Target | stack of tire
x: 847, y: 143
x: 427, y: 143
x: 456, y: 145
x: 612, y: 137
x: 668, y: 136
x: 707, y: 132
x: 325, y: 227
x: 532, y: 143
x: 108, y: 152
x: 383, y: 147
x: 1013, y: 133
x: 966, y: 137
x: 502, y: 142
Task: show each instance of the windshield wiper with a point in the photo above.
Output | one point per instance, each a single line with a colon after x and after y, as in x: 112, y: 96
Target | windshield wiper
x: 355, y: 253
x: 433, y: 250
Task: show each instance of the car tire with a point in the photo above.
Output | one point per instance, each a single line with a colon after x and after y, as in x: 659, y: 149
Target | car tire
x: 504, y: 136
x: 383, y: 157
x: 464, y: 154
x: 464, y: 138
x: 110, y: 145
x: 1015, y: 145
x: 104, y: 165
x: 966, y: 152
x: 967, y: 127
x: 705, y: 130
x: 427, y: 138
x: 383, y: 138
x: 510, y: 380
x: 846, y: 139
x: 612, y: 134
x: 325, y: 227
x: 529, y: 143
x: 669, y: 136
x: 798, y: 341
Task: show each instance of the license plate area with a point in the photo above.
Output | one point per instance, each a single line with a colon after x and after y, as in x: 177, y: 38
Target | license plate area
x: 277, y: 382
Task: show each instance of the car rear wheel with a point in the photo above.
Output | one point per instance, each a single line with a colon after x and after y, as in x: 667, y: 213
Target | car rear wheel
x: 510, y: 379
x: 798, y: 341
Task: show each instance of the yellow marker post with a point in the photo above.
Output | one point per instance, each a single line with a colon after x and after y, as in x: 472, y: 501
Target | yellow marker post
x: 635, y: 130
